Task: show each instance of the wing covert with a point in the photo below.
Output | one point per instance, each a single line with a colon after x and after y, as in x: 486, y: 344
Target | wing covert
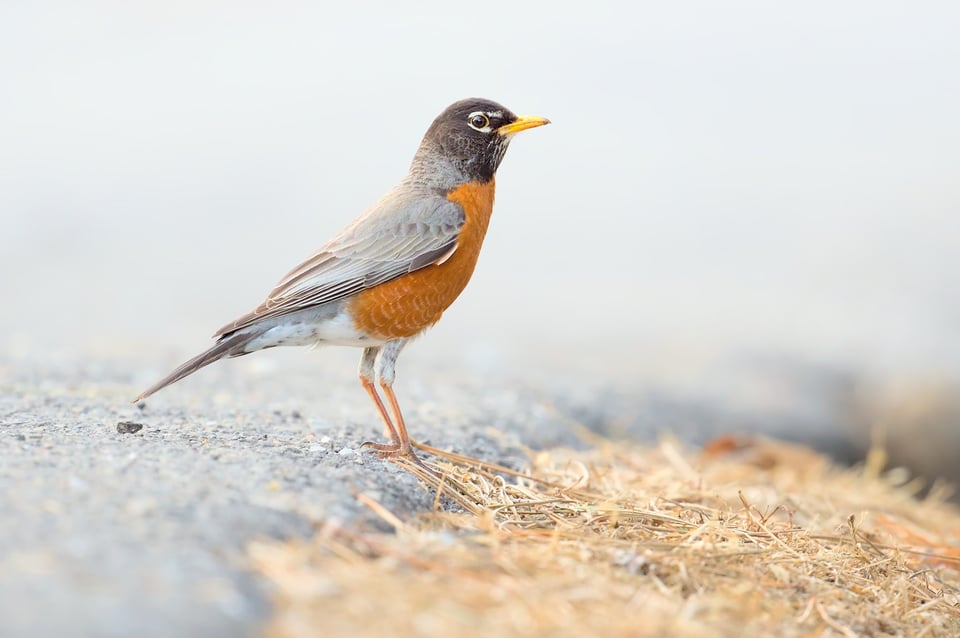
x: 394, y: 237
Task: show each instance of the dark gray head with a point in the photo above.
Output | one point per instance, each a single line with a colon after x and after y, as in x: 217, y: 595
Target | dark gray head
x: 469, y: 138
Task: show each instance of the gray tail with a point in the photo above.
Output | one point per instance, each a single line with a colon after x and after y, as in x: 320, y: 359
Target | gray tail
x: 228, y: 346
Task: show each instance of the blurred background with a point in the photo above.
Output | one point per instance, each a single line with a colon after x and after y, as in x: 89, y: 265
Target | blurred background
x: 744, y: 213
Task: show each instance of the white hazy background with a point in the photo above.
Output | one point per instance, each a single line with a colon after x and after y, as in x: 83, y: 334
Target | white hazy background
x: 718, y: 177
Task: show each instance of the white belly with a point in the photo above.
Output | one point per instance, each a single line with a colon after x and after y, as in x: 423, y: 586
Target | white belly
x: 310, y: 330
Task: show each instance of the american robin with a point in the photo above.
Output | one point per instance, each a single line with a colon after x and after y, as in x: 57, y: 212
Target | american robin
x: 390, y: 274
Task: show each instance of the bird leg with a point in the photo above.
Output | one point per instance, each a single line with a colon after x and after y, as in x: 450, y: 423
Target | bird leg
x: 395, y: 439
x: 367, y: 374
x: 383, y: 360
x: 405, y: 447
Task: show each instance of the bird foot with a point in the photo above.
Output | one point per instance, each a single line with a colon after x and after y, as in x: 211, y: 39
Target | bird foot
x: 383, y: 450
x: 390, y: 451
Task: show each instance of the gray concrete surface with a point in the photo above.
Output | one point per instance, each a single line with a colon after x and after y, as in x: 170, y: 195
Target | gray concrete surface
x: 110, y: 534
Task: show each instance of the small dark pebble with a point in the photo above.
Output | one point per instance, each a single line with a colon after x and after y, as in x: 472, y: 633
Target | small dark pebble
x: 129, y: 427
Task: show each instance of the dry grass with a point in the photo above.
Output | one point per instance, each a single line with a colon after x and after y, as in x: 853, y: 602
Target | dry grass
x: 747, y: 538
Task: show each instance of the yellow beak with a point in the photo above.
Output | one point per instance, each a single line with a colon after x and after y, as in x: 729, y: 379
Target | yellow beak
x: 522, y: 123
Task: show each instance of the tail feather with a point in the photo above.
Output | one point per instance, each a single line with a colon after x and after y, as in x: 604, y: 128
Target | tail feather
x: 230, y: 346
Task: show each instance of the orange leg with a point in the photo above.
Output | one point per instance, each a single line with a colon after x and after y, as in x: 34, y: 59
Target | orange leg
x: 379, y: 362
x: 367, y: 373
x: 382, y: 410
x: 406, y: 447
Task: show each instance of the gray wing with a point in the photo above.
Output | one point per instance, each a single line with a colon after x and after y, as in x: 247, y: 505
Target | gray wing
x: 399, y: 234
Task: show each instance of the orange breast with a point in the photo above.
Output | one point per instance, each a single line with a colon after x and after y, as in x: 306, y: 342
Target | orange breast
x: 408, y: 304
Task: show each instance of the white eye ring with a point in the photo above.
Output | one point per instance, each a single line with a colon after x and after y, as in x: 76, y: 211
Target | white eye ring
x: 479, y: 121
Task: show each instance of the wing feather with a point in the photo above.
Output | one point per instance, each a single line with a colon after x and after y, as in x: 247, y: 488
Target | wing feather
x: 400, y: 234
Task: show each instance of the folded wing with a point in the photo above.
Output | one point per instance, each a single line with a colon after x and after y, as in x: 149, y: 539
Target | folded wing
x: 395, y: 237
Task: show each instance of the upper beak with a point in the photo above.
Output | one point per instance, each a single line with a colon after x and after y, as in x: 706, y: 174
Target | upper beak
x: 522, y: 123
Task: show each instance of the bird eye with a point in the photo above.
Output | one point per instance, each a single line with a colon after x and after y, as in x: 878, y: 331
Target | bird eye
x: 479, y: 121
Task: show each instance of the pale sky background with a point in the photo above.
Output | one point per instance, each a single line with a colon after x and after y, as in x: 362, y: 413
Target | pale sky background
x: 718, y: 177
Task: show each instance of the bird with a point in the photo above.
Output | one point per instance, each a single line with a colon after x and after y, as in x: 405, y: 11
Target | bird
x: 390, y: 274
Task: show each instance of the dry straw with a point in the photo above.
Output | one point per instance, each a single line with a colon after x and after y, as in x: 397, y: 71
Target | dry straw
x: 746, y: 538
